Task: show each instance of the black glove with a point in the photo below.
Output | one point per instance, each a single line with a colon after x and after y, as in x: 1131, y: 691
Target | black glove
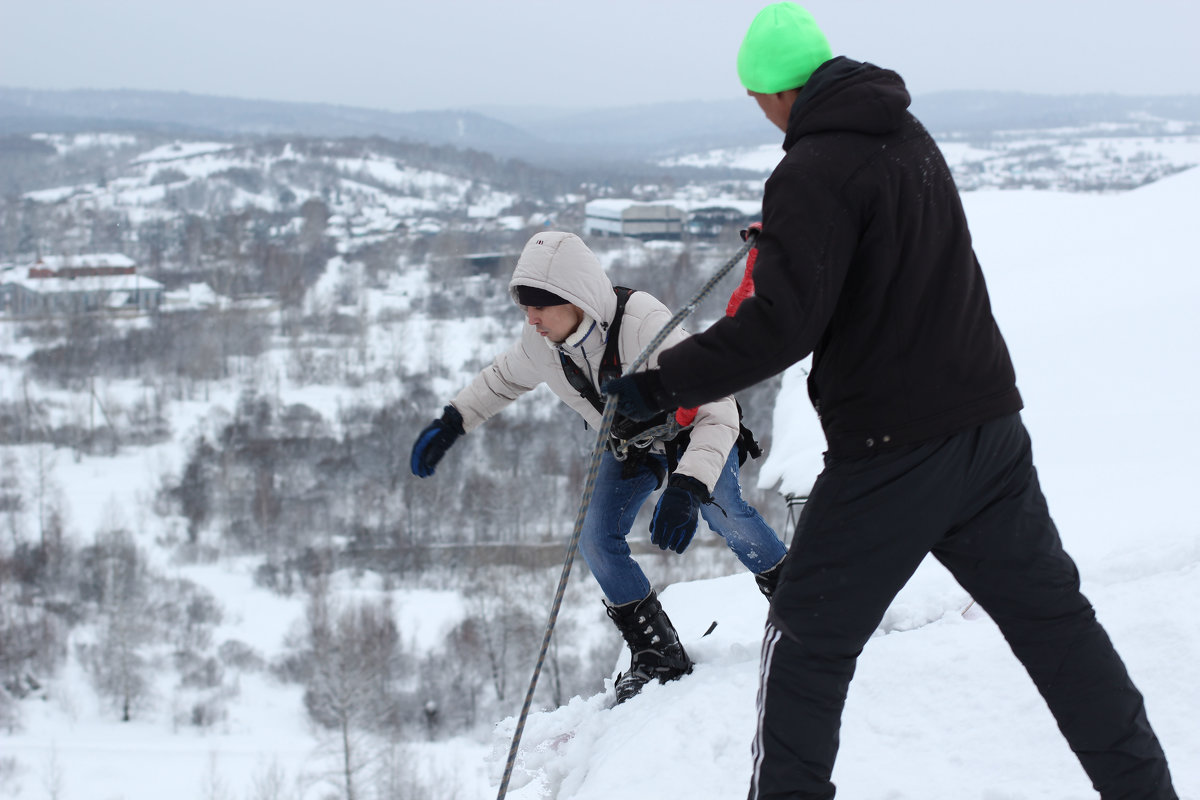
x: 435, y: 440
x: 639, y: 396
x: 677, y: 512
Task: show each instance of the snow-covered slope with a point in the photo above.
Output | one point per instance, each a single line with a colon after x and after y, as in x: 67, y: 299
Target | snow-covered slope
x: 370, y: 188
x: 1097, y: 298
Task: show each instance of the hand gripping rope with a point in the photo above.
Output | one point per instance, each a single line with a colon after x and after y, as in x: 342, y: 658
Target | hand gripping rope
x: 610, y: 409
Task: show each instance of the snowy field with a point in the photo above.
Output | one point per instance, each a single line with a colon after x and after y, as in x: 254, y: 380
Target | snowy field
x: 1097, y: 297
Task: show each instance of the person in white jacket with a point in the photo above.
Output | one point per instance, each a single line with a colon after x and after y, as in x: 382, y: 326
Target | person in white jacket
x: 570, y: 306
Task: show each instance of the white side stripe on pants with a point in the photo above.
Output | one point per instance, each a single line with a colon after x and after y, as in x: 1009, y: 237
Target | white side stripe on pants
x: 770, y: 638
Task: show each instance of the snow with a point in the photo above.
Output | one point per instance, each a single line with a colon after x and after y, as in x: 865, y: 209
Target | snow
x: 375, y: 193
x: 1095, y: 156
x: 751, y: 208
x: 194, y: 296
x: 58, y: 194
x: 762, y: 158
x: 66, y: 143
x: 614, y: 207
x: 89, y: 260
x: 87, y: 283
x: 71, y: 740
x: 490, y: 205
x: 1096, y: 295
x: 391, y: 173
x: 180, y: 150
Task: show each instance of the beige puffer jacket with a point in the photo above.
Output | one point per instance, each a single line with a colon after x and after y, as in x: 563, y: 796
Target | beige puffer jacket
x: 561, y: 263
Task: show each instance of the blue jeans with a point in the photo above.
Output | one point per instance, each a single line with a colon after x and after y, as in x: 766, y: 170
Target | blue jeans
x: 615, y: 504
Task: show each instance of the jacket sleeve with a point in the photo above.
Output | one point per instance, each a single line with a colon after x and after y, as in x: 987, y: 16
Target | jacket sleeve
x: 715, y: 428
x: 804, y: 250
x: 509, y: 376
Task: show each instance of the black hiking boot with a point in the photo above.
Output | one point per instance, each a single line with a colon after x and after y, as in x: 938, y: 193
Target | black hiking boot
x: 657, y: 652
x: 769, y: 580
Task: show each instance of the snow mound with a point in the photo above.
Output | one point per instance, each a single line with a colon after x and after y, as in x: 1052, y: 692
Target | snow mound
x: 939, y: 707
x: 670, y: 732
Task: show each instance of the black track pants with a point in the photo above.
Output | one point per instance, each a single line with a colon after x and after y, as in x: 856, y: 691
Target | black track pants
x: 972, y: 500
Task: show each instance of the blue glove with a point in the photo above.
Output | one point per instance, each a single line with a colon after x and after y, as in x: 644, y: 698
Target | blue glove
x: 677, y: 512
x: 435, y: 440
x: 639, y: 396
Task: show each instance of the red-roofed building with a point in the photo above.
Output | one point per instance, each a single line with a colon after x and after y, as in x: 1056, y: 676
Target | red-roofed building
x: 58, y: 285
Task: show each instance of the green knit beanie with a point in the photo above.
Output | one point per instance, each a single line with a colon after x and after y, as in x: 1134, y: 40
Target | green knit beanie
x: 782, y: 49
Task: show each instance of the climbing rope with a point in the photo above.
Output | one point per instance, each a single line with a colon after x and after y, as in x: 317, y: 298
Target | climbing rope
x: 602, y: 435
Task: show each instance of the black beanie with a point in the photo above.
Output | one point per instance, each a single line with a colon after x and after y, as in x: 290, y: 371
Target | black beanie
x: 537, y: 298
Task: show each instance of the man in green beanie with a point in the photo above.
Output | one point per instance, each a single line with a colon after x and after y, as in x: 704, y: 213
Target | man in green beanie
x: 865, y: 261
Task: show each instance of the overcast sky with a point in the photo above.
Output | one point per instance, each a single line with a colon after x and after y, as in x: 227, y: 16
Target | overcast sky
x: 406, y: 55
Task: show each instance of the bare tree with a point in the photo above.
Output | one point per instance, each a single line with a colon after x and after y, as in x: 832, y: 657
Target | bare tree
x: 9, y: 769
x: 44, y: 487
x: 502, y: 626
x: 194, y: 491
x: 117, y: 661
x: 212, y: 785
x: 12, y: 503
x: 268, y: 782
x: 351, y: 690
x: 52, y: 776
x: 119, y: 669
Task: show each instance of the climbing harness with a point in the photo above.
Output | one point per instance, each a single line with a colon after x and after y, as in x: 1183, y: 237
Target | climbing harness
x: 621, y: 447
x: 625, y: 434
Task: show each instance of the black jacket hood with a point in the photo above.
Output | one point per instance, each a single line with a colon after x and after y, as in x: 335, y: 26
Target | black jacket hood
x: 848, y: 95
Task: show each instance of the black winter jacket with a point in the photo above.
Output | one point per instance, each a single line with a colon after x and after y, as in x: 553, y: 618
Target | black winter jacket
x: 865, y: 261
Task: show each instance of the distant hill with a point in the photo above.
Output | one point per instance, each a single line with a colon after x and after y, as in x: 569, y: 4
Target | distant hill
x: 989, y: 112
x: 549, y: 136
x: 647, y: 131
x: 28, y: 111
